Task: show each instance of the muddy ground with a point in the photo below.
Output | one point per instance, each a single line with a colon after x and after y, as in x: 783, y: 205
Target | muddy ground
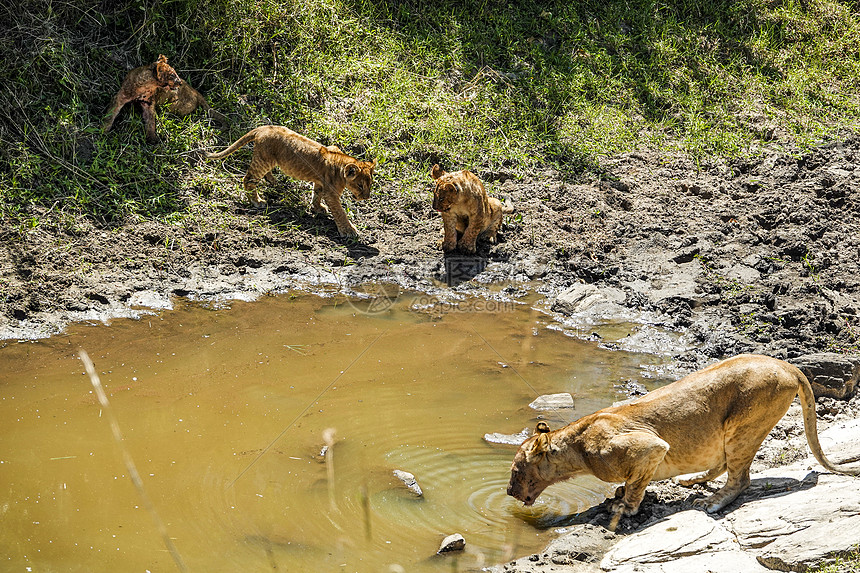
x: 755, y: 255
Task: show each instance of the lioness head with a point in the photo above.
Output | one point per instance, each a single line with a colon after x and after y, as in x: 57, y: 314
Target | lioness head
x: 164, y: 74
x: 447, y: 191
x: 359, y: 178
x: 532, y: 469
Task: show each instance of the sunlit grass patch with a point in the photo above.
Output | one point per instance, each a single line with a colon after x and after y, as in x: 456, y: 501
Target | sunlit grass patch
x: 467, y: 84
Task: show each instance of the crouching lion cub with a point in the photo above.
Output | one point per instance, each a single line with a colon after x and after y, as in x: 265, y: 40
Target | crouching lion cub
x: 157, y: 84
x: 328, y: 168
x: 712, y: 421
x: 466, y: 209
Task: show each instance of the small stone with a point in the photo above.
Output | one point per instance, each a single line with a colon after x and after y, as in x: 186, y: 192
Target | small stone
x: 409, y: 481
x: 454, y: 542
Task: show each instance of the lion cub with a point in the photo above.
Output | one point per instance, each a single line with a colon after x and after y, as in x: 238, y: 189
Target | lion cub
x: 328, y: 168
x: 466, y: 209
x: 157, y: 84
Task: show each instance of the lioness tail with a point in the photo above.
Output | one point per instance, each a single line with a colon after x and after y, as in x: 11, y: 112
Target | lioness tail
x: 241, y: 142
x: 810, y: 427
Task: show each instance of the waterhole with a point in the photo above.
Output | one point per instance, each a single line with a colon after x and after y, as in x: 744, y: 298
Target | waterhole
x: 225, y: 412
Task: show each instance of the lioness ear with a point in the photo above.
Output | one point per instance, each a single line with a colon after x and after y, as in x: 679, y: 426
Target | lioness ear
x: 436, y: 172
x: 541, y: 445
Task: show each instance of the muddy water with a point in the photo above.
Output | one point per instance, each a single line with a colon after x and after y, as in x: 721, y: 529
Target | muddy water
x: 224, y: 413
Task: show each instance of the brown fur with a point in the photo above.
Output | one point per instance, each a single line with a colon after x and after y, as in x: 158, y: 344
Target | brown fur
x: 466, y: 209
x: 711, y: 421
x: 184, y: 100
x: 328, y: 168
x: 157, y: 84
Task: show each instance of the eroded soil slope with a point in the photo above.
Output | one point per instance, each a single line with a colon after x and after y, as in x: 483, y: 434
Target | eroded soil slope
x: 758, y: 255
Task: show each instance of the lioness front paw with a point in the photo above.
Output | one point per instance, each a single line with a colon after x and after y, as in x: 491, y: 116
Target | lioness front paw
x: 619, y: 506
x: 448, y: 246
x: 709, y: 504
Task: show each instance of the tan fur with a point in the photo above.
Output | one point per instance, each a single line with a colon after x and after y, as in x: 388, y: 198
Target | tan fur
x: 466, y: 209
x: 711, y: 421
x: 328, y: 168
x: 157, y: 84
x: 184, y: 99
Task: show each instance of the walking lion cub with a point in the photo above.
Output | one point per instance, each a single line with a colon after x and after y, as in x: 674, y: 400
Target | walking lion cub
x: 712, y: 421
x: 328, y: 168
x: 466, y: 209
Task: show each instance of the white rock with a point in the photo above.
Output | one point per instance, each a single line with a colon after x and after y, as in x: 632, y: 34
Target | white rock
x: 454, y: 542
x: 409, y: 481
x: 552, y: 401
x: 688, y: 534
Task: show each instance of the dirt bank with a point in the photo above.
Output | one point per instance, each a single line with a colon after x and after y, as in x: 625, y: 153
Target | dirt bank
x: 757, y: 255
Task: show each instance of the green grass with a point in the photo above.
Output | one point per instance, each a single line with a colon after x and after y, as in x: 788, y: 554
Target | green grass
x: 846, y: 564
x: 473, y: 84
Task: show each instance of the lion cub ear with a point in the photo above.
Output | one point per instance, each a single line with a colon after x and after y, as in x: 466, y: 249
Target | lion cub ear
x: 162, y: 59
x: 351, y: 171
x: 436, y: 172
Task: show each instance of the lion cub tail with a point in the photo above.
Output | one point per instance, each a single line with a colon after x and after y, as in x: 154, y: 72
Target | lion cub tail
x: 810, y: 427
x: 507, y: 206
x: 241, y: 142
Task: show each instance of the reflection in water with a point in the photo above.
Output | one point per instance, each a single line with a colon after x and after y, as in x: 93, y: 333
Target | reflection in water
x: 224, y: 413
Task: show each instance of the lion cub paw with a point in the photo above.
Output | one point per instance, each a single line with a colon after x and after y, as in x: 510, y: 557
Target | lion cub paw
x: 468, y: 248
x: 350, y: 231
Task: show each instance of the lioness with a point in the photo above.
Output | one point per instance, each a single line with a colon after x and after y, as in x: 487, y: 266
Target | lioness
x: 153, y: 85
x: 711, y: 421
x: 328, y: 168
x: 466, y: 209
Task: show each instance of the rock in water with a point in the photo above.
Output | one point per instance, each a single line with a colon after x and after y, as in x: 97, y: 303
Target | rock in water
x: 454, y: 542
x: 508, y: 439
x: 409, y: 481
x: 552, y: 402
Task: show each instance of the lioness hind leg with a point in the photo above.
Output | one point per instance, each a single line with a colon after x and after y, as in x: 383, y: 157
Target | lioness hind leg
x: 704, y: 477
x: 741, y: 444
x: 738, y: 481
